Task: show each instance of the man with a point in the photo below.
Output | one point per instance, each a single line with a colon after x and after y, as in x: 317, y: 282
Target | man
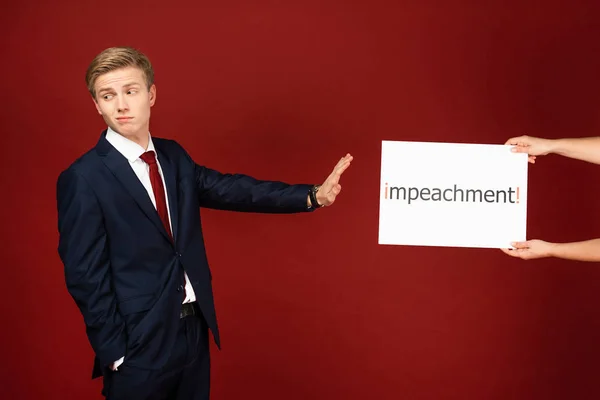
x: 132, y: 244
x: 586, y: 149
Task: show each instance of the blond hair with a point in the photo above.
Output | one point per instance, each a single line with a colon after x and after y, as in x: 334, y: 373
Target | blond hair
x: 115, y: 58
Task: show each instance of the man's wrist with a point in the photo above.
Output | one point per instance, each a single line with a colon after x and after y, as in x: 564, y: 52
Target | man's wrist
x: 312, y: 197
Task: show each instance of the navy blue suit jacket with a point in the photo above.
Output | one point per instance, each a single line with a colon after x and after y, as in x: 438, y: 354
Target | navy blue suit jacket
x: 120, y: 266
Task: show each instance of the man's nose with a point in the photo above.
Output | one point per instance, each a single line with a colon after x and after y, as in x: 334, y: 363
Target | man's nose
x: 122, y: 103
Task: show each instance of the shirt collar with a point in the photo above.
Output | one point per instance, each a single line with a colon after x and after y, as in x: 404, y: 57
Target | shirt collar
x: 128, y: 148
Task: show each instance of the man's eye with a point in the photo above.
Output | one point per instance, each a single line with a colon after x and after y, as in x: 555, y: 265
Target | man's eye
x: 107, y: 96
x: 132, y: 91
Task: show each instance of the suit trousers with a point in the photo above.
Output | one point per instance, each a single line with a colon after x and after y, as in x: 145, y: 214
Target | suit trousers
x: 185, y: 376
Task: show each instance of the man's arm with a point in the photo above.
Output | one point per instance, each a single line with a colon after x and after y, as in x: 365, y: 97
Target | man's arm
x: 585, y: 149
x: 83, y: 250
x: 587, y: 250
x: 239, y: 192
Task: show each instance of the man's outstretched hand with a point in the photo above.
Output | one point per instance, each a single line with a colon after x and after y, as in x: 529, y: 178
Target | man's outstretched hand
x: 331, y: 187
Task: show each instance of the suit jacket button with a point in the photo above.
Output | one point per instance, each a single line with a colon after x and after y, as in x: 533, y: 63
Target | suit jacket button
x: 179, y: 288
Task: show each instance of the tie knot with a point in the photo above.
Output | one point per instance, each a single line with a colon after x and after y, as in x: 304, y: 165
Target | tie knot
x: 149, y: 157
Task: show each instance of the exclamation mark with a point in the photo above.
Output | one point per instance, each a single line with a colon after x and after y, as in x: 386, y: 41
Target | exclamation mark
x: 386, y: 190
x: 517, y: 195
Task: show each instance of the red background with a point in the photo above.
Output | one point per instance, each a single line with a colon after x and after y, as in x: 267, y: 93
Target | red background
x: 310, y: 306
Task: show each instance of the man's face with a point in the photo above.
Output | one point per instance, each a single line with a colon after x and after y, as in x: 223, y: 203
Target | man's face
x: 124, y: 101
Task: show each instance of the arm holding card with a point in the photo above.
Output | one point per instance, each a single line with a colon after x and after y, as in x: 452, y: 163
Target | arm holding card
x: 585, y: 149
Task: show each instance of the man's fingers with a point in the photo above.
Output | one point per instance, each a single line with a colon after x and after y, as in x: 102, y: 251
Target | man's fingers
x: 332, y: 194
x: 340, y: 162
x: 332, y: 182
x: 334, y: 177
x: 342, y: 168
x: 346, y: 159
x: 331, y: 185
x: 520, y: 245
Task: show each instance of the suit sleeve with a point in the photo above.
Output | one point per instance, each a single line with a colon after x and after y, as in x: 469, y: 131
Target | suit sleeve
x: 238, y: 192
x: 83, y: 249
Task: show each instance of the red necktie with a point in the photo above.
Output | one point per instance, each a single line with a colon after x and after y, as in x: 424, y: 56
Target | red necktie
x: 149, y: 158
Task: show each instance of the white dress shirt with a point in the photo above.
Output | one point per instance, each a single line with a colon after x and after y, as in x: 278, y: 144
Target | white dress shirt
x: 132, y: 152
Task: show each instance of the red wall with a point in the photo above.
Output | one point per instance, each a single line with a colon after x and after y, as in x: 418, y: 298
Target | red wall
x: 310, y: 306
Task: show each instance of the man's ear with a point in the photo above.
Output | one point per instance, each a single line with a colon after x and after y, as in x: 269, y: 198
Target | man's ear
x: 152, y: 94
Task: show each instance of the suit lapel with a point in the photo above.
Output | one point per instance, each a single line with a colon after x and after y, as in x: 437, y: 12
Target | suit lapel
x: 170, y: 176
x: 121, y: 169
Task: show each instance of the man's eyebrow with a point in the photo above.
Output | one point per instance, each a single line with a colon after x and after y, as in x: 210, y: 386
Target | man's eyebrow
x: 105, y: 89
x: 127, y: 85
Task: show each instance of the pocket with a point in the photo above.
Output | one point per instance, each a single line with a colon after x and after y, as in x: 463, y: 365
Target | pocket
x: 137, y: 304
x: 130, y: 382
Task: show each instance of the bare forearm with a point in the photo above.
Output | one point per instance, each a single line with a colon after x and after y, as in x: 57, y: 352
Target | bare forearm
x: 588, y: 250
x: 585, y: 149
